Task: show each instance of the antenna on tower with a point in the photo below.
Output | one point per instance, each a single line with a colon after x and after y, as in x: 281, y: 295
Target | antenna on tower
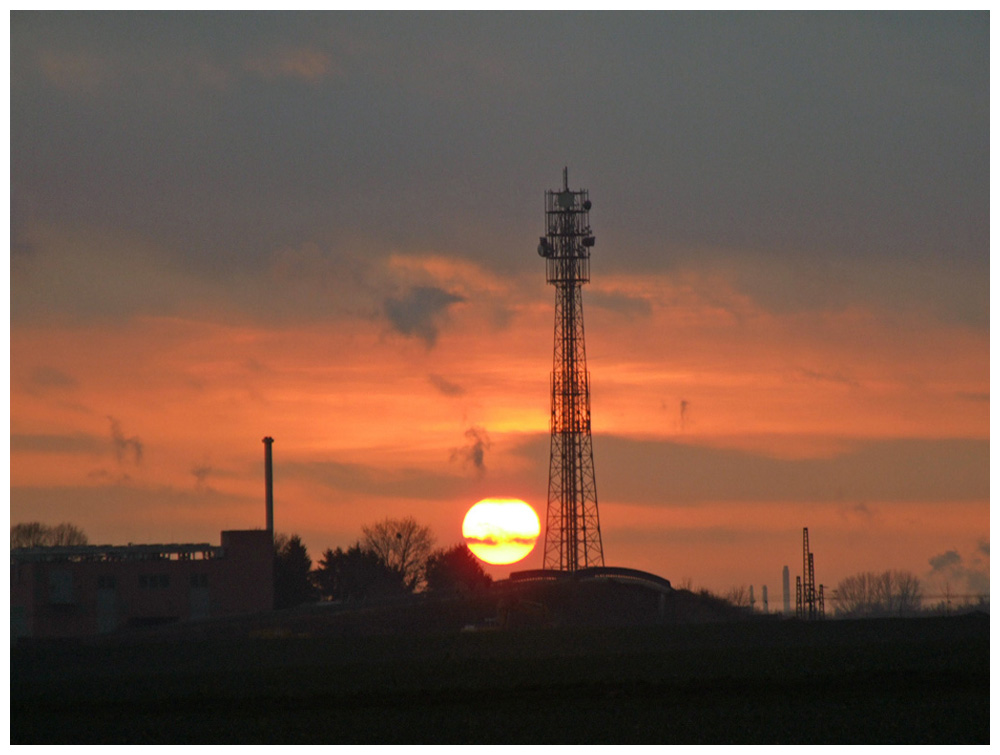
x: 572, y: 525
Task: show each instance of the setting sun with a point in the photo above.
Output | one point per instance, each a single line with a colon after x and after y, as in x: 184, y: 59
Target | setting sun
x: 501, y: 530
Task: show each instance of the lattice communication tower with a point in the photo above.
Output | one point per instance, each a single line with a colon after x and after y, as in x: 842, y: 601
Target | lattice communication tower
x: 572, y: 526
x: 809, y: 603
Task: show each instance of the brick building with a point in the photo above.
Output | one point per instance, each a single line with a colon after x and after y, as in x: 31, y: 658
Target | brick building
x: 84, y: 590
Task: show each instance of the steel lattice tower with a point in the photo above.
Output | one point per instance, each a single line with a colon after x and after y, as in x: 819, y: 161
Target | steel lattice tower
x: 808, y: 604
x: 572, y: 527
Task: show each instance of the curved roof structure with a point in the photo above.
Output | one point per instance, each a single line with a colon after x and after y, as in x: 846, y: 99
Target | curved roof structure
x: 607, y: 573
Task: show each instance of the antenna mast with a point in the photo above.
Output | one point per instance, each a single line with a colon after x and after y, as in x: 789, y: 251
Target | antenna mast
x: 572, y: 525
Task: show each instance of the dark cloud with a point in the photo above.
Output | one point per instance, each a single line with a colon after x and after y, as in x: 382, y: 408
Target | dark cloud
x: 375, y: 481
x: 45, y: 378
x: 945, y: 560
x: 474, y: 451
x: 420, y: 311
x: 79, y: 443
x: 445, y: 386
x: 975, y: 397
x: 828, y: 145
x: 138, y: 513
x: 837, y: 378
x: 623, y: 304
x: 665, y: 472
x: 864, y: 510
x: 201, y: 474
x: 125, y: 448
x: 973, y: 576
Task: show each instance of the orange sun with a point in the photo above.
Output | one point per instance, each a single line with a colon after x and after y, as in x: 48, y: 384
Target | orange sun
x: 501, y: 530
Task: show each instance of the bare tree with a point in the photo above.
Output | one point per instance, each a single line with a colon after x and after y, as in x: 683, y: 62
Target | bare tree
x: 908, y: 592
x: 28, y: 535
x: 67, y: 534
x: 884, y: 594
x: 403, y: 545
x: 738, y: 596
x: 38, y: 535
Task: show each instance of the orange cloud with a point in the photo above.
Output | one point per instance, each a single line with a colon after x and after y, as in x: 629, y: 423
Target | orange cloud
x: 792, y: 419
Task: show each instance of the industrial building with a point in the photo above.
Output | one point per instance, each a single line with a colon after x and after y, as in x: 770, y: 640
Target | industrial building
x: 76, y: 591
x: 84, y: 590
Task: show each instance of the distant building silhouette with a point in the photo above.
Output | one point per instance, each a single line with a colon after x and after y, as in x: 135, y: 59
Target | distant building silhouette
x: 75, y: 591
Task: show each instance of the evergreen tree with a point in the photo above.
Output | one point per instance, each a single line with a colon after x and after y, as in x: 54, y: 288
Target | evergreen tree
x: 356, y: 574
x: 455, y: 569
x: 292, y: 565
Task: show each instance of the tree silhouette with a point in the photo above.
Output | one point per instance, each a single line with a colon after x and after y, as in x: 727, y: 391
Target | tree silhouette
x: 403, y: 545
x: 292, y: 585
x: 739, y: 596
x: 36, y: 535
x: 885, y: 594
x: 455, y: 569
x: 356, y: 574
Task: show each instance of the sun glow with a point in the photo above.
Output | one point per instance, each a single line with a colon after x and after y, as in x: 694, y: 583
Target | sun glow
x: 501, y: 530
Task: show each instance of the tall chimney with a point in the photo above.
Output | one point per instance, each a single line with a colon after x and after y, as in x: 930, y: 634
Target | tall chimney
x: 786, y: 595
x: 268, y: 485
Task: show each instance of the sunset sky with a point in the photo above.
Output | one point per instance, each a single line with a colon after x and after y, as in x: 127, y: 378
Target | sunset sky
x: 323, y: 228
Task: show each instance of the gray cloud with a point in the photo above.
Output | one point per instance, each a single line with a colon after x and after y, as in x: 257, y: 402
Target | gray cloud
x: 137, y: 513
x: 78, y: 443
x: 125, y: 448
x: 201, y: 474
x: 474, y: 451
x: 623, y: 304
x: 445, y: 386
x: 375, y: 481
x: 420, y: 311
x: 945, y: 560
x: 664, y: 472
x: 975, y: 397
x: 45, y: 378
x: 806, y: 149
x: 838, y: 378
x: 973, y: 576
x: 864, y: 510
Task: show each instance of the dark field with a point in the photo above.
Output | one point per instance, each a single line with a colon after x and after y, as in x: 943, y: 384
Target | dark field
x: 873, y: 681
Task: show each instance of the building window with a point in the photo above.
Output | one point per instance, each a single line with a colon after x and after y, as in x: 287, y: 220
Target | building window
x: 154, y: 581
x: 107, y: 582
x: 199, y: 580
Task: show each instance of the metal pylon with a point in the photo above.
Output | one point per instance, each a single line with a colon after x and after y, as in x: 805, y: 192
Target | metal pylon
x: 572, y: 525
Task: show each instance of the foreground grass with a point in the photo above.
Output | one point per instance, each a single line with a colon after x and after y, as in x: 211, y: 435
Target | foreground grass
x: 876, y: 681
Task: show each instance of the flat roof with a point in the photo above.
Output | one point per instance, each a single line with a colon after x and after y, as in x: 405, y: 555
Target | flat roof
x: 157, y: 552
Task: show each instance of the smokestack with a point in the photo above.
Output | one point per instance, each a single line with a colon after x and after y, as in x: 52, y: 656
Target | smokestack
x: 268, y: 485
x: 786, y: 597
